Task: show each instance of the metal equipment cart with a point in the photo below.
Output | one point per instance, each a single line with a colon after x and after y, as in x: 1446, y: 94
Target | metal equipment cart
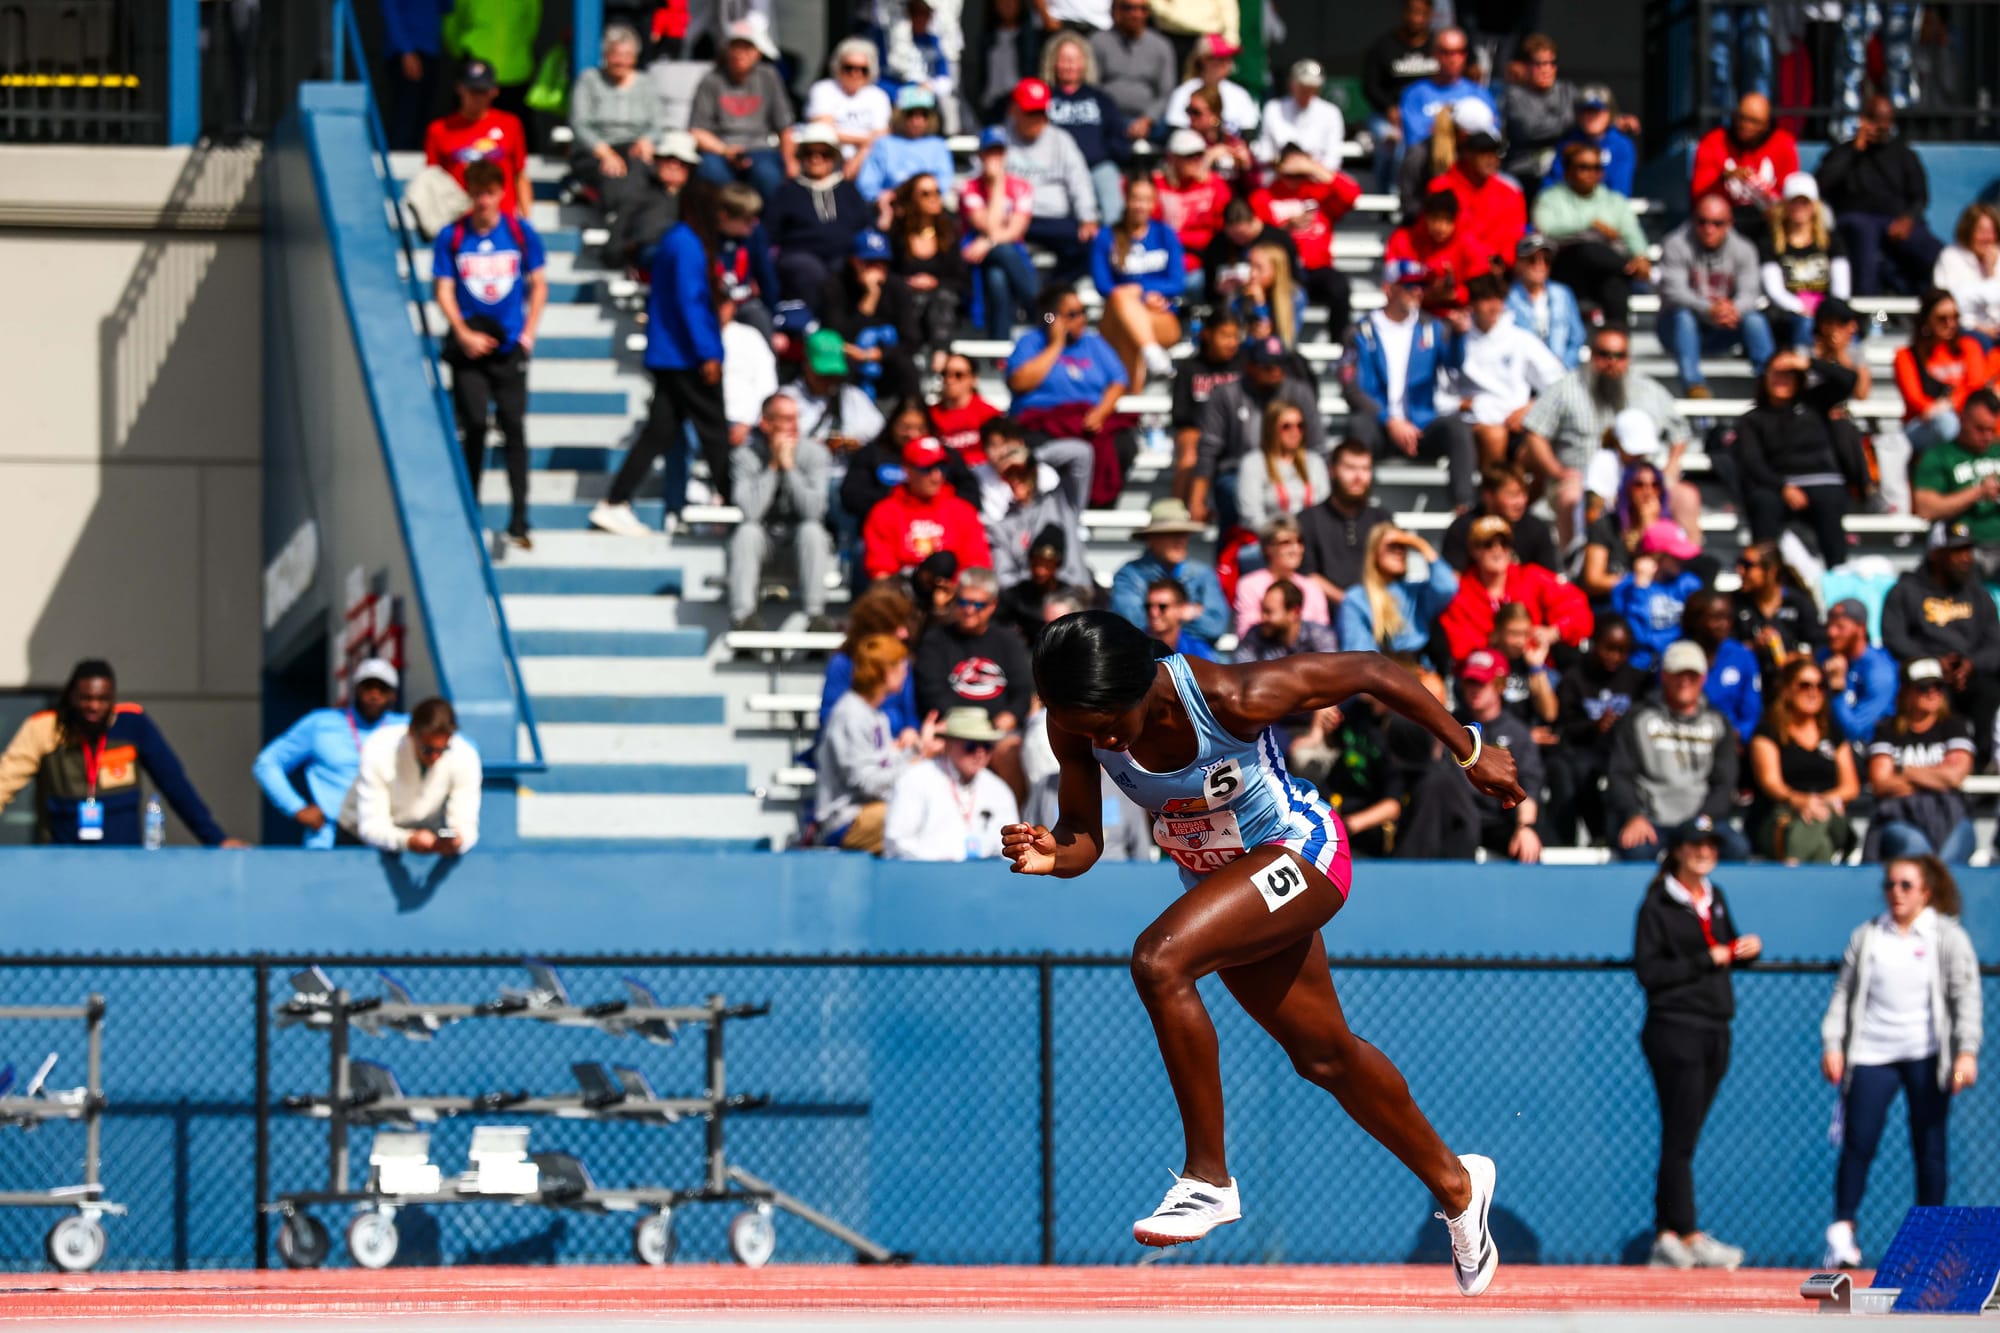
x: 75, y: 1243
x: 362, y: 1092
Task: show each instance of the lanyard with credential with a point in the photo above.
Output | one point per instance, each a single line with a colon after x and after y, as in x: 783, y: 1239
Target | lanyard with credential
x: 92, y: 761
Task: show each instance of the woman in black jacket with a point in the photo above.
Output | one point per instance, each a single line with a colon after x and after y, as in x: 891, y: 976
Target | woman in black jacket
x: 1683, y: 947
x: 1785, y: 450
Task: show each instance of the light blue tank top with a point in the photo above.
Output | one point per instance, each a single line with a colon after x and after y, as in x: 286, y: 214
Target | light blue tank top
x: 1235, y: 796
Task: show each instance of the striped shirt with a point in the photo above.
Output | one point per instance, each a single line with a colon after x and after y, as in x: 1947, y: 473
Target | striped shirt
x: 1574, y: 423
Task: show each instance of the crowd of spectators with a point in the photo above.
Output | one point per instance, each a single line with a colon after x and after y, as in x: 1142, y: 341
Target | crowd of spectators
x: 1572, y: 607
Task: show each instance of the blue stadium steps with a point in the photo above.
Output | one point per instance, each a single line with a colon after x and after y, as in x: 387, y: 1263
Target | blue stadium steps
x: 643, y: 715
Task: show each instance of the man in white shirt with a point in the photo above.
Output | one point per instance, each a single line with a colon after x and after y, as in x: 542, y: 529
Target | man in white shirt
x: 951, y: 808
x: 1305, y: 118
x: 418, y: 788
x: 749, y: 373
x: 1505, y: 366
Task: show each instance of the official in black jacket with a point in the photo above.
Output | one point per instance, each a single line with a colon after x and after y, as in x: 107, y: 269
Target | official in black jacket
x: 1684, y: 945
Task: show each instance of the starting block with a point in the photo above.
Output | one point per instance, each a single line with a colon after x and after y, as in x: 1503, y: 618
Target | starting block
x: 1942, y: 1261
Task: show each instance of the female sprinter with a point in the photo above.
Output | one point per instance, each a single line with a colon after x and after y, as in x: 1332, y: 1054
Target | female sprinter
x: 1265, y: 865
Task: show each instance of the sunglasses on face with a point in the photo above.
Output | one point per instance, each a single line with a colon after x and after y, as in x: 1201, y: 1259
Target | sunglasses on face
x: 927, y: 194
x: 1490, y: 543
x: 1808, y: 686
x: 1544, y: 62
x: 958, y: 374
x: 971, y: 604
x: 1910, y: 885
x: 1609, y: 354
x: 977, y: 747
x: 1291, y: 425
x: 1073, y: 314
x: 1750, y: 564
x: 1587, y: 168
x: 854, y: 69
x: 1164, y: 608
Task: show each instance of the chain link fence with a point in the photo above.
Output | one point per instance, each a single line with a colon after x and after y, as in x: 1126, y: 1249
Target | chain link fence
x: 992, y: 1110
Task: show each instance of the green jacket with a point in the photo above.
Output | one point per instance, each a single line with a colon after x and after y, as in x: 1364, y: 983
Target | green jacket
x: 500, y: 32
x: 1561, y: 212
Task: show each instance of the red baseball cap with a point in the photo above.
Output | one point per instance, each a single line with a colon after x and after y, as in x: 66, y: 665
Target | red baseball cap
x: 1483, y: 666
x: 1031, y: 95
x: 924, y: 451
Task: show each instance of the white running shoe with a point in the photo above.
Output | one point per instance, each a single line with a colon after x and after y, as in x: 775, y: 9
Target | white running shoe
x: 1709, y: 1252
x: 1191, y: 1210
x: 1842, y: 1251
x: 1158, y: 364
x: 618, y: 520
x: 1474, y: 1256
x: 1670, y: 1251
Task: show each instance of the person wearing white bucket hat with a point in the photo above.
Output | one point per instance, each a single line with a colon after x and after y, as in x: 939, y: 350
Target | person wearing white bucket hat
x: 1168, y: 528
x: 951, y: 808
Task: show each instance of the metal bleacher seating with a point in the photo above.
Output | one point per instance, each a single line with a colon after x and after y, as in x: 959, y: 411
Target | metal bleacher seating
x: 653, y: 714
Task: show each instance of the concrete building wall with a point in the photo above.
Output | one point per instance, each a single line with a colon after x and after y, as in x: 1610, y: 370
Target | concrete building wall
x: 131, y: 364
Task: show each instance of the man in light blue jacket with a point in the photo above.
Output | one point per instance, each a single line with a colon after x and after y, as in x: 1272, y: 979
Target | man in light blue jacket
x: 327, y: 743
x: 1166, y: 534
x: 1544, y: 308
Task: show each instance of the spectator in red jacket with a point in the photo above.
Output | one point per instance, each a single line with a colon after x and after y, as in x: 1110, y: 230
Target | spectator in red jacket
x: 1492, y: 212
x: 920, y: 518
x: 1557, y: 610
x: 1191, y: 195
x: 1304, y: 199
x: 1440, y: 244
x: 478, y: 133
x: 1746, y: 162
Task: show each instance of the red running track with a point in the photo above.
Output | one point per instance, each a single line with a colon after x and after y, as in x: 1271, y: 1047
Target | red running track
x: 701, y: 1287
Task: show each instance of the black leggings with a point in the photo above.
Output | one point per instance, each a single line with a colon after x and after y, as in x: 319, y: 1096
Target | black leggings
x: 1688, y: 1061
x: 1825, y: 507
x: 501, y: 382
x: 679, y: 397
x: 1596, y: 273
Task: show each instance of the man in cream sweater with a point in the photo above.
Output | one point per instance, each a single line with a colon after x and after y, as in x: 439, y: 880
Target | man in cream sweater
x: 418, y: 788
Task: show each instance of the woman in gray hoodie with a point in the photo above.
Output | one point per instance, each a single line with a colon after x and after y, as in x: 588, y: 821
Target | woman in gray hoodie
x: 1905, y: 1013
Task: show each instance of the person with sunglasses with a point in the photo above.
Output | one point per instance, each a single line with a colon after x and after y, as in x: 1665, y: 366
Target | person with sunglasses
x: 1600, y: 249
x: 1425, y: 100
x: 1937, y: 372
x: 1167, y: 608
x: 969, y: 661
x: 1803, y: 771
x: 952, y: 807
x: 1775, y: 612
x: 1744, y: 163
x: 1673, y: 766
x: 1906, y: 1013
x: 1598, y: 125
x: 418, y: 786
x: 849, y: 99
x: 1941, y: 609
x: 1709, y: 287
x: 920, y: 518
x: 815, y: 216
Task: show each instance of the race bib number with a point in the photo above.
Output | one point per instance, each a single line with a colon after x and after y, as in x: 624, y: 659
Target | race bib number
x: 1201, y: 842
x: 1221, y: 784
x: 1279, y: 882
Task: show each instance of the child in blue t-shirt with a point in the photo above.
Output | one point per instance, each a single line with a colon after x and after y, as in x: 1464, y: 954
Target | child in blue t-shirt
x: 488, y: 270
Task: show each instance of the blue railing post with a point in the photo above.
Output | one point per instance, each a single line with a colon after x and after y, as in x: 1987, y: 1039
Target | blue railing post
x: 587, y: 30
x: 343, y: 21
x: 183, y: 71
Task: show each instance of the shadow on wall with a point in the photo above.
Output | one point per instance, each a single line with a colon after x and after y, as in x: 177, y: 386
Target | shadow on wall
x: 161, y: 570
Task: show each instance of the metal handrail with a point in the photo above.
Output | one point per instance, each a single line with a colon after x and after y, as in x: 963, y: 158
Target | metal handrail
x: 347, y: 36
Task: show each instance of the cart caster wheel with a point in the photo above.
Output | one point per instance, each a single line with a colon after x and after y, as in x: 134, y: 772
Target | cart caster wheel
x: 302, y: 1241
x: 752, y: 1238
x: 653, y: 1240
x: 371, y: 1240
x: 75, y: 1244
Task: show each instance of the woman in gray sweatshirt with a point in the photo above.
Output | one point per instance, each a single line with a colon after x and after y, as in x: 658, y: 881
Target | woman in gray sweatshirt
x: 860, y: 756
x: 1906, y: 1013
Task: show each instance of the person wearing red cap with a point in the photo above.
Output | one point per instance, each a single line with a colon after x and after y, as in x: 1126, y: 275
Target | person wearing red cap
x: 920, y: 518
x: 1063, y: 205
x: 1512, y: 831
x: 1210, y: 62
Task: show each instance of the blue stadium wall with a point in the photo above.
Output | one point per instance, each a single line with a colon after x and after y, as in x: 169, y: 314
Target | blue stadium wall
x: 904, y: 1051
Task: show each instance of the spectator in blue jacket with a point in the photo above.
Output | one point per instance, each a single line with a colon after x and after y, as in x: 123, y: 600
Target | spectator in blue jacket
x: 1137, y: 264
x: 1735, y: 684
x: 683, y: 355
x: 1394, y: 607
x: 1595, y: 114
x: 1166, y: 534
x: 1544, y: 308
x: 327, y: 743
x: 1860, y: 678
x: 412, y: 37
x: 1078, y: 105
x: 1653, y: 596
x: 814, y: 217
x: 912, y: 147
x: 1388, y: 412
x: 85, y: 757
